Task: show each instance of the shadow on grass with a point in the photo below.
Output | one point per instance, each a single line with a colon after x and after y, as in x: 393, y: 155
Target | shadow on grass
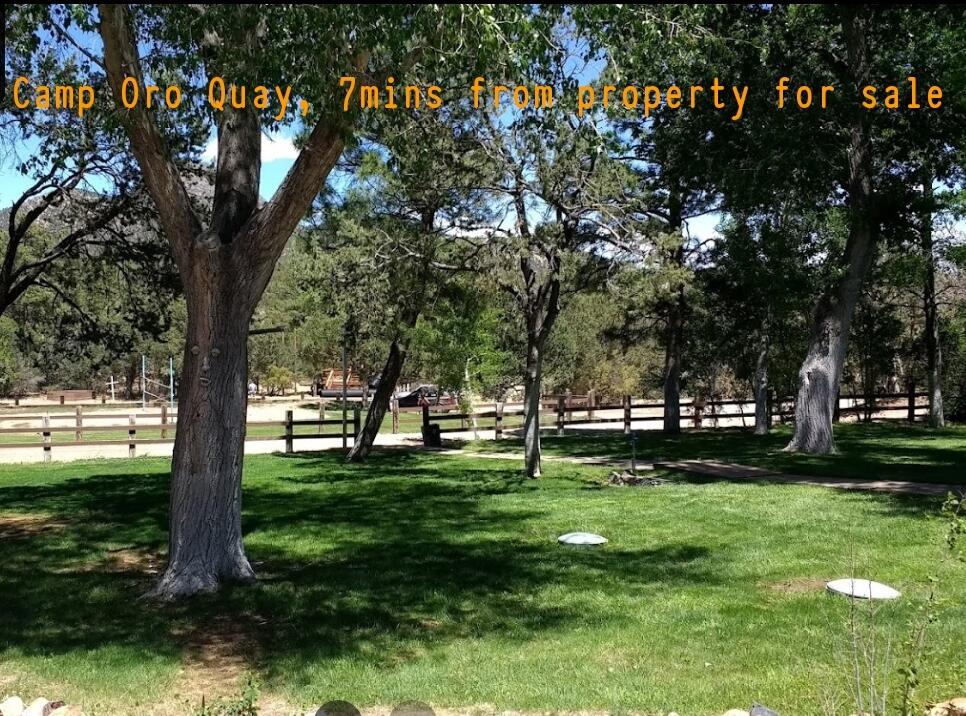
x: 377, y: 562
x: 892, y: 451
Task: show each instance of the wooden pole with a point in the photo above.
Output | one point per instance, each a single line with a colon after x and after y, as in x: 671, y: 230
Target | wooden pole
x: 288, y: 432
x: 394, y: 407
x: 79, y: 421
x: 131, y: 436
x: 561, y: 405
x: 911, y: 401
x: 356, y: 422
x: 164, y: 421
x: 698, y: 405
x: 345, y: 391
x: 591, y: 403
x: 45, y: 421
x: 627, y: 415
x: 498, y: 427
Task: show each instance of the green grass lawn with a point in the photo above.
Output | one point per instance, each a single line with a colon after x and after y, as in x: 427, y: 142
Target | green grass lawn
x: 889, y: 451
x: 420, y: 576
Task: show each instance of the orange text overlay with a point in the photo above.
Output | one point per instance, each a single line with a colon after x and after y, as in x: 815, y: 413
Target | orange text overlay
x: 644, y: 99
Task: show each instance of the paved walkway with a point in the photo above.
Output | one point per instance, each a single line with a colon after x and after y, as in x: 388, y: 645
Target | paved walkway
x: 738, y: 473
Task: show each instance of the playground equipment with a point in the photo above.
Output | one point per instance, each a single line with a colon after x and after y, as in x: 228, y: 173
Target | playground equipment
x: 165, y: 390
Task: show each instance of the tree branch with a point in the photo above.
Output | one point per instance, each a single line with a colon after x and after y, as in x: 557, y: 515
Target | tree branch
x: 270, y: 228
x: 160, y: 173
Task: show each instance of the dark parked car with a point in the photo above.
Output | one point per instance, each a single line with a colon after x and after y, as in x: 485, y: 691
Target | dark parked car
x: 432, y: 395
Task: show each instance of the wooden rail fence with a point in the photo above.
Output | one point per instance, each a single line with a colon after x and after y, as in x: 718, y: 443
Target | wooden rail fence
x: 569, y: 410
x: 563, y: 411
x: 81, y: 427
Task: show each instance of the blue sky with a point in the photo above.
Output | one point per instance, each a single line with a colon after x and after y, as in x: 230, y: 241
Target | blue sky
x: 278, y: 150
x: 278, y: 153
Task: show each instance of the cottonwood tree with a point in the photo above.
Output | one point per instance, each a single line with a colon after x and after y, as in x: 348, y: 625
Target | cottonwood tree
x: 756, y: 292
x: 402, y: 223
x: 564, y: 196
x: 863, y: 47
x: 226, y: 256
x: 840, y: 157
x: 934, y: 214
x: 936, y: 418
x: 661, y: 150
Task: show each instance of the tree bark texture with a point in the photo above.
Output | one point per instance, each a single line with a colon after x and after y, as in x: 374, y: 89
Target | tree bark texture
x: 762, y: 408
x: 936, y: 417
x: 821, y: 370
x: 379, y: 406
x: 205, y: 541
x: 674, y: 334
x: 541, y: 273
x: 225, y: 265
x: 532, y: 385
x: 674, y: 338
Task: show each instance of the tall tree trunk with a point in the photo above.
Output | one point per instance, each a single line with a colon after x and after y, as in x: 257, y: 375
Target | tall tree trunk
x: 129, y: 378
x: 762, y: 409
x: 379, y: 405
x: 936, y: 418
x: 822, y: 369
x: 225, y: 264
x: 532, y: 385
x: 674, y: 338
x: 674, y: 335
x: 466, y: 399
x: 205, y: 540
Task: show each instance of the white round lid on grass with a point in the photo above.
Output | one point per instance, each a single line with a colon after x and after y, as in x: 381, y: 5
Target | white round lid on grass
x: 586, y: 539
x: 862, y: 589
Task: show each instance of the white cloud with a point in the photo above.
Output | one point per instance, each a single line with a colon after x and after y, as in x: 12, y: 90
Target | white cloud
x: 273, y: 148
x: 280, y: 148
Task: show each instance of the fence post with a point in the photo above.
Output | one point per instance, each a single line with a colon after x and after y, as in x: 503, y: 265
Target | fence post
x: 288, y: 431
x: 45, y: 421
x: 321, y: 416
x: 560, y: 415
x: 356, y: 422
x: 498, y: 427
x: 164, y: 421
x: 591, y: 402
x: 912, y: 401
x: 698, y: 406
x: 79, y: 420
x: 570, y: 404
x: 131, y: 435
x: 427, y: 440
x: 394, y: 407
x: 627, y: 415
